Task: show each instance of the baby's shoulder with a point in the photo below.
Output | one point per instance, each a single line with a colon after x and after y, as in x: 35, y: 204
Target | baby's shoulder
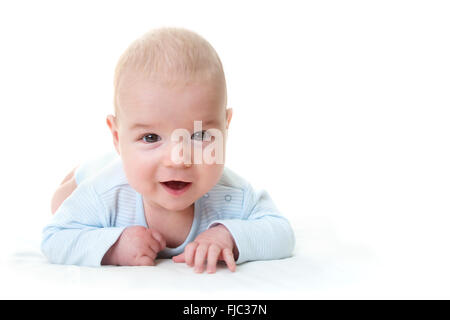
x: 110, y: 177
x: 231, y: 179
x: 230, y: 192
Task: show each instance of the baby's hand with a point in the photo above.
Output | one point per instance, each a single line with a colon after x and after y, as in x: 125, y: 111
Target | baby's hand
x: 211, y: 245
x: 136, y: 246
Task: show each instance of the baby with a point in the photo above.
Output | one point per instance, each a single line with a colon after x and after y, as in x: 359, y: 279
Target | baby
x: 159, y: 196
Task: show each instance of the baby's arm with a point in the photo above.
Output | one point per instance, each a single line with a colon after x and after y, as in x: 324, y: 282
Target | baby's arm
x: 80, y: 233
x: 262, y: 233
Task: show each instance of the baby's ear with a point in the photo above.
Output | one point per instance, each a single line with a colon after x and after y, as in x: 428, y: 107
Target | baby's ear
x: 112, y: 124
x: 229, y: 115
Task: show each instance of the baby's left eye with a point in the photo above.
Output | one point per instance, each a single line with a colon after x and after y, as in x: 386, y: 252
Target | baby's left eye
x: 201, y: 135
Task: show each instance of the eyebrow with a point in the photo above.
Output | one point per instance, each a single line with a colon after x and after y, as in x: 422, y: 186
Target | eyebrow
x: 141, y: 126
x: 208, y: 122
x: 147, y: 126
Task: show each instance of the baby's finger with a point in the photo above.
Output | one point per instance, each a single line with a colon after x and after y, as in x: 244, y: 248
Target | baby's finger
x: 227, y: 255
x: 200, y: 255
x: 179, y: 258
x: 153, y: 244
x: 145, y: 261
x: 159, y: 237
x: 189, y: 253
x: 148, y: 252
x: 213, y: 256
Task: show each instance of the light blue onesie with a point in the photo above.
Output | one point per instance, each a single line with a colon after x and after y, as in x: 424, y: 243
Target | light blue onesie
x: 92, y: 218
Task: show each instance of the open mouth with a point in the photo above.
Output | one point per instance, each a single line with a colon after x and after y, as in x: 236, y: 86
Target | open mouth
x: 176, y: 187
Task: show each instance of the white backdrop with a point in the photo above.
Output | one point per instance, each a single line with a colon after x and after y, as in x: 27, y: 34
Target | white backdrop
x: 341, y: 111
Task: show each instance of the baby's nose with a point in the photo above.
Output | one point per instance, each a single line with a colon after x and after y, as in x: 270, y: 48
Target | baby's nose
x: 178, y: 154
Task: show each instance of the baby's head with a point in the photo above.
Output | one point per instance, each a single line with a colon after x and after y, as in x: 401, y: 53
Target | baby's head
x: 168, y: 84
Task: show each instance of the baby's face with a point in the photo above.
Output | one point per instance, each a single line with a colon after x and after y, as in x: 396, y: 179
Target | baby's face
x: 148, y: 116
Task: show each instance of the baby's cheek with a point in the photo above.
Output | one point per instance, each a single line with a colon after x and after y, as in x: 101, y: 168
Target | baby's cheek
x: 140, y: 177
x: 210, y: 175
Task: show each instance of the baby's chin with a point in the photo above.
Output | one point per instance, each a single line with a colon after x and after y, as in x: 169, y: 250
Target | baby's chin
x: 176, y: 205
x: 172, y: 202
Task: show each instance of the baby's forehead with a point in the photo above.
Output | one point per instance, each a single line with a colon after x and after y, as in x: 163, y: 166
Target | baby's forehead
x: 177, y: 100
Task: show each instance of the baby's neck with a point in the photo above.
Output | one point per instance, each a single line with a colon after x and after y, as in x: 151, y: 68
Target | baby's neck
x: 173, y: 225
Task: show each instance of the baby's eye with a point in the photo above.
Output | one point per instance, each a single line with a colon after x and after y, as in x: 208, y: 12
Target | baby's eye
x: 151, y: 138
x: 201, y: 135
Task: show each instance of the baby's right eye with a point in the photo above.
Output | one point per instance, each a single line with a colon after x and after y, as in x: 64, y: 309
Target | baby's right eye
x: 151, y: 138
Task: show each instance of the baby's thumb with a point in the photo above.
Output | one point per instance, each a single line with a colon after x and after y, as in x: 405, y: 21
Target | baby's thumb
x: 179, y: 258
x: 158, y: 237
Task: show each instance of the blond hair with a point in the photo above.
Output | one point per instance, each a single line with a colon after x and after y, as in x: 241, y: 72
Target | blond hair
x: 169, y: 56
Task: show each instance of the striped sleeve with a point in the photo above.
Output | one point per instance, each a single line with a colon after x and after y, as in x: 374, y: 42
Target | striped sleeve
x: 79, y: 232
x: 261, y: 232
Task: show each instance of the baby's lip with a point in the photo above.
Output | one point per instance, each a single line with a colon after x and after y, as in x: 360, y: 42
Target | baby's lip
x: 176, y: 187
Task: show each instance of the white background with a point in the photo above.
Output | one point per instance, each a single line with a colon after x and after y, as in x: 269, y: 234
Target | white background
x: 341, y: 111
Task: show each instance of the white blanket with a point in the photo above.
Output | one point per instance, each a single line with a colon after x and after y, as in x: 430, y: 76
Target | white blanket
x: 321, y: 267
x: 325, y: 265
